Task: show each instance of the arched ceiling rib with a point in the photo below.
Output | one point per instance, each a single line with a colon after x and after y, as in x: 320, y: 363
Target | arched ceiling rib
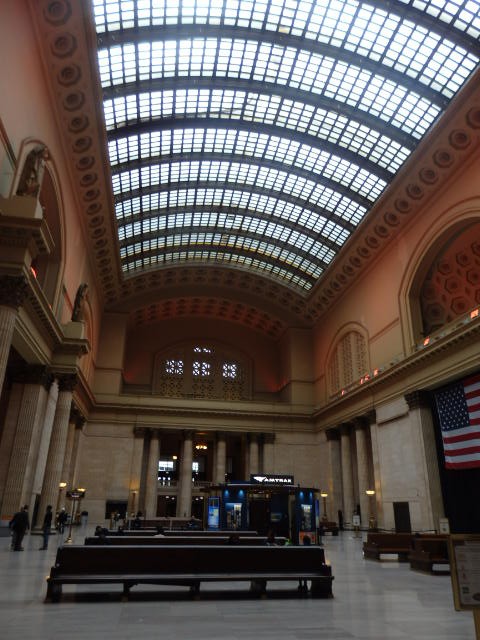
x: 334, y: 95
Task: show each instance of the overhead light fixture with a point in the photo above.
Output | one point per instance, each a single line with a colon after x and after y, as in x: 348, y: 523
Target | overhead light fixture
x: 201, y: 446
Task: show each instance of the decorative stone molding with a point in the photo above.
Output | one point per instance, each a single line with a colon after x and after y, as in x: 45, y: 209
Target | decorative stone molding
x: 67, y: 382
x: 34, y: 374
x: 332, y: 434
x: 13, y: 291
x: 417, y: 400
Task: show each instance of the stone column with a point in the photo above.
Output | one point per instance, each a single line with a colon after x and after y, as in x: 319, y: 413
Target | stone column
x: 184, y: 501
x: 347, y: 475
x: 430, y: 494
x: 44, y: 444
x: 58, y: 442
x: 363, y: 469
x: 67, y: 460
x: 334, y: 489
x: 76, y: 452
x: 151, y: 484
x: 13, y: 290
x: 253, y: 457
x: 220, y: 458
x: 268, y: 453
x: 136, y: 470
x: 8, y: 433
x: 19, y: 482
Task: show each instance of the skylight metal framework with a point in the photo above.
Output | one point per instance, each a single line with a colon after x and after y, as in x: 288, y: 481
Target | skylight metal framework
x: 258, y: 133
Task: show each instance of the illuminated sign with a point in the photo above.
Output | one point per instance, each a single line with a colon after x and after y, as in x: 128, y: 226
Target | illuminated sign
x: 271, y: 479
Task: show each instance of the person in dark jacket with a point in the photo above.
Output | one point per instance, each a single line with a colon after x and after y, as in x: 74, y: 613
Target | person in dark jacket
x: 46, y: 527
x: 18, y: 525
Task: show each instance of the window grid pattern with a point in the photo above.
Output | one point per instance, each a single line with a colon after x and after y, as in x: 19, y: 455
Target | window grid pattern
x: 349, y: 361
x: 302, y: 70
x: 260, y: 147
x: 201, y: 371
x: 324, y: 59
x: 265, y: 109
x: 371, y: 32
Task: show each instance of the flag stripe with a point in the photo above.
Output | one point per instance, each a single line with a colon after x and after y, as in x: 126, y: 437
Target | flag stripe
x: 459, y: 411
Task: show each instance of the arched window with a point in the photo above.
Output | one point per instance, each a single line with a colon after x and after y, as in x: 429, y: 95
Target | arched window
x: 202, y: 370
x: 348, y: 362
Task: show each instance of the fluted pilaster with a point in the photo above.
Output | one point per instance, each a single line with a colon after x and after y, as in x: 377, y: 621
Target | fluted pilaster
x: 363, y: 466
x: 8, y: 433
x: 56, y: 451
x: 25, y: 446
x: 13, y: 291
x: 151, y: 484
x: 347, y: 474
x: 220, y: 458
x: 184, y: 502
x: 253, y: 454
x: 268, y: 453
x: 44, y: 442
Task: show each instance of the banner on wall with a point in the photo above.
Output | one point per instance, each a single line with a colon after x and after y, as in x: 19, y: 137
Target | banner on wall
x: 458, y: 408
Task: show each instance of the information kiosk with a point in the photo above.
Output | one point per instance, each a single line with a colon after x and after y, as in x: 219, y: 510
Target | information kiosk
x: 265, y: 502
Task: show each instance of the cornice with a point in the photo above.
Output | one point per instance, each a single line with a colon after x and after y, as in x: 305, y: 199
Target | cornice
x: 350, y: 405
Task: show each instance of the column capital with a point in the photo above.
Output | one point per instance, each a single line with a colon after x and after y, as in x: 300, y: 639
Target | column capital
x: 360, y: 423
x: 13, y: 291
x: 34, y: 374
x: 268, y: 438
x: 417, y: 399
x: 67, y: 381
x: 77, y: 417
x: 346, y: 429
x: 332, y: 434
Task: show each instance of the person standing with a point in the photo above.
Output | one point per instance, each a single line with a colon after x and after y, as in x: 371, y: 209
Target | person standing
x: 62, y: 520
x: 18, y: 525
x: 46, y: 527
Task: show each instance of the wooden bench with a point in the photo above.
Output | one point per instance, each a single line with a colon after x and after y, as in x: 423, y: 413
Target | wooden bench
x: 429, y: 551
x: 180, y: 540
x: 378, y: 544
x: 188, y: 565
x: 326, y: 526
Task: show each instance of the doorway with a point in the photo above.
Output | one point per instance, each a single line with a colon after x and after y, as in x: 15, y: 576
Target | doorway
x: 401, y: 514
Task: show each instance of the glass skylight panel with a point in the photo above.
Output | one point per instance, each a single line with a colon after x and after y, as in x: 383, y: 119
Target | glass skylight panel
x: 291, y: 187
x: 293, y: 153
x: 327, y: 125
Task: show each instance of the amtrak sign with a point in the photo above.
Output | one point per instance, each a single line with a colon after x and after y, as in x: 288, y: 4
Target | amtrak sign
x: 271, y: 479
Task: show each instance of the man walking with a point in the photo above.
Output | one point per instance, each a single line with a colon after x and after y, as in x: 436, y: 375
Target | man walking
x: 46, y: 527
x: 18, y: 525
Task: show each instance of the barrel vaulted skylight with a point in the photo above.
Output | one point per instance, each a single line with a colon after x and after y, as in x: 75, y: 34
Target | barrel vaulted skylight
x: 259, y: 133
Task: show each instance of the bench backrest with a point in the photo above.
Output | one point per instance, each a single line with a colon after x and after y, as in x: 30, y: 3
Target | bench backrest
x: 392, y: 540
x: 437, y: 547
x: 210, y: 533
x: 187, y: 559
x: 170, y: 540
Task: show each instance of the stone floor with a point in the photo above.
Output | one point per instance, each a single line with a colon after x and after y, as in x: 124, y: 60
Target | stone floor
x: 372, y: 601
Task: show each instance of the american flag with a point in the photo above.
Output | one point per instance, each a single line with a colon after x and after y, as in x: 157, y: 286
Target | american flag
x: 459, y: 411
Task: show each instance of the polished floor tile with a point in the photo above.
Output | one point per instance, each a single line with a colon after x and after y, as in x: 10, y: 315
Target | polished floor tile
x: 372, y: 601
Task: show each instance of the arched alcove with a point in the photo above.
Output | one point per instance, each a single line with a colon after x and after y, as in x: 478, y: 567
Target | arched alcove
x: 451, y: 286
